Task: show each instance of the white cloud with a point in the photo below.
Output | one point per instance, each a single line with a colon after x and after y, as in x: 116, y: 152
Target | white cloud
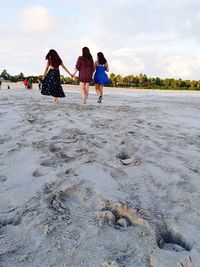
x: 188, y: 24
x: 92, y: 45
x: 182, y: 66
x: 197, y: 17
x: 121, y: 67
x: 159, y: 38
x: 182, y: 2
x: 187, y: 1
x: 86, y: 2
x: 36, y: 18
x: 126, y: 61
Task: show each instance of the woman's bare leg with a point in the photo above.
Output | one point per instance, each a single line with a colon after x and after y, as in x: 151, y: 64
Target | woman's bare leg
x: 83, y: 93
x: 87, y: 89
x: 100, y: 93
x: 97, y: 89
x: 101, y: 90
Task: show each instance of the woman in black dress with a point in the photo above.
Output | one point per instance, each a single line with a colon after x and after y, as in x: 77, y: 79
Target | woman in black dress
x: 51, y: 79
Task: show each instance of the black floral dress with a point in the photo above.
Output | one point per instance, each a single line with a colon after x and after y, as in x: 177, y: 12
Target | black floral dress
x: 51, y: 84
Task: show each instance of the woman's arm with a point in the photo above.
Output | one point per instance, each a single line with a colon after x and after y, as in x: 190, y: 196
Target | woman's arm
x: 107, y: 67
x: 75, y: 73
x: 78, y: 65
x: 95, y: 65
x: 45, y: 71
x: 63, y: 66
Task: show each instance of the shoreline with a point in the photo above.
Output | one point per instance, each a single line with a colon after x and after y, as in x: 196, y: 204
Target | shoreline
x: 121, y: 90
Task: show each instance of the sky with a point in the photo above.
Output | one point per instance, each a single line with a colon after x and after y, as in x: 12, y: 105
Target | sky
x: 160, y: 38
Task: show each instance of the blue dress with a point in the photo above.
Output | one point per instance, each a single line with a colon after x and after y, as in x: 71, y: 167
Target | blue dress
x: 100, y: 76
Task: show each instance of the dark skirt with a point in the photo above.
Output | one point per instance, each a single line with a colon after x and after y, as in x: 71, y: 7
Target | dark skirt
x: 51, y: 84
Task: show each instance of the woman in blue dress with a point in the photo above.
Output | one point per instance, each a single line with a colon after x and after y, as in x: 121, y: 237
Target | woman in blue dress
x: 100, y: 76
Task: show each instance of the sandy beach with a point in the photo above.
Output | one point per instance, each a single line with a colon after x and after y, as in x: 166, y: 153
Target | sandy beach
x: 114, y: 184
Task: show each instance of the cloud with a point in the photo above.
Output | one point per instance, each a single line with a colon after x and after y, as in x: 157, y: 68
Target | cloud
x: 126, y: 61
x: 182, y: 66
x: 181, y: 2
x: 36, y: 18
x: 126, y: 68
x: 188, y: 24
x: 197, y: 17
x: 159, y: 38
x: 86, y: 2
x: 194, y: 21
x: 93, y: 46
x: 186, y: 1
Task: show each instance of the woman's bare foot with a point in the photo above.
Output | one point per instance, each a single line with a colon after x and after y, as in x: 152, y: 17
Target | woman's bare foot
x: 56, y: 100
x: 84, y: 99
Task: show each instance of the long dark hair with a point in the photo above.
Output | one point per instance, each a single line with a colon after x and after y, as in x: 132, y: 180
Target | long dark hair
x: 86, y: 56
x: 101, y: 59
x: 53, y: 58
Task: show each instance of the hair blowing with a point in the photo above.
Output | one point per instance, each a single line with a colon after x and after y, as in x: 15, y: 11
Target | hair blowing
x: 54, y: 58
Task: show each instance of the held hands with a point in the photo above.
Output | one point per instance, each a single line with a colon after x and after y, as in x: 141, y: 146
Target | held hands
x: 72, y: 75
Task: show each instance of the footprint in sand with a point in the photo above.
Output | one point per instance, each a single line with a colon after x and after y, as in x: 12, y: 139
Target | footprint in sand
x: 64, y: 203
x: 13, y: 219
x: 140, y: 121
x: 171, y: 240
x: 125, y: 159
x: 3, y: 178
x: 55, y: 147
x: 40, y: 172
x: 56, y: 137
x: 120, y: 215
x: 112, y: 264
x: 31, y: 118
x: 47, y: 188
x: 64, y: 174
x: 48, y: 163
x: 125, y: 215
x: 133, y: 133
x: 3, y: 140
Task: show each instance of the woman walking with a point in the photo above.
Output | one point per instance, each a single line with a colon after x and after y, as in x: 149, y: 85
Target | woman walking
x: 51, y: 79
x: 85, y: 66
x: 100, y: 76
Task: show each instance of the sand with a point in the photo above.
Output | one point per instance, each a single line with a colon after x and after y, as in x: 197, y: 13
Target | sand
x: 97, y: 185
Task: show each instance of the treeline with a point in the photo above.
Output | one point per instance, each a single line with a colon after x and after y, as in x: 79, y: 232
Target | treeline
x: 131, y: 81
x: 142, y: 81
x: 7, y: 77
x: 35, y: 79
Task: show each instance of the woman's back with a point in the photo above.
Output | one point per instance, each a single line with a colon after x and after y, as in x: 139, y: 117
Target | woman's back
x: 101, y: 68
x: 85, y: 68
x: 100, y: 76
